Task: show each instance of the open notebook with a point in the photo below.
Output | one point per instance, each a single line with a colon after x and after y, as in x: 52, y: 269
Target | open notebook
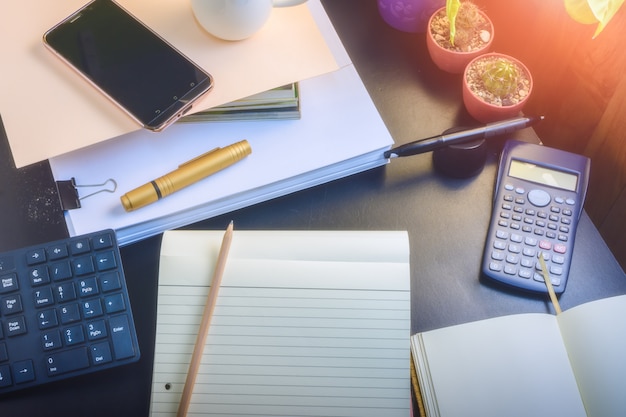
x: 572, y: 364
x: 306, y: 323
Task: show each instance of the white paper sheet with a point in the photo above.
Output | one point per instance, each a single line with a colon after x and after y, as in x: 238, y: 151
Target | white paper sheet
x: 48, y: 110
x: 306, y: 323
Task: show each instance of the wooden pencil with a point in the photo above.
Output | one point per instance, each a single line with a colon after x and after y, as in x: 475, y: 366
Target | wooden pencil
x: 203, y: 331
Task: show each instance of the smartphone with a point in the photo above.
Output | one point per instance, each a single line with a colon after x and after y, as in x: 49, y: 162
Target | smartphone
x: 129, y: 63
x: 538, y: 200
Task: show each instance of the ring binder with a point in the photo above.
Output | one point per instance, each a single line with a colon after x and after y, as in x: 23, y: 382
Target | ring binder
x: 68, y: 192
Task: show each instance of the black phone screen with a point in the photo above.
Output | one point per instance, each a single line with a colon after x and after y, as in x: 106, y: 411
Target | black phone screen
x: 144, y: 74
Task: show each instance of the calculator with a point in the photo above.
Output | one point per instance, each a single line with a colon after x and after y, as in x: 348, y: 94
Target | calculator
x: 538, y: 200
x: 64, y: 311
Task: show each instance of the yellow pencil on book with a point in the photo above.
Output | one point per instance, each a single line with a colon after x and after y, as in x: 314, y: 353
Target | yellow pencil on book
x: 188, y: 173
x: 205, y: 323
x: 546, y: 278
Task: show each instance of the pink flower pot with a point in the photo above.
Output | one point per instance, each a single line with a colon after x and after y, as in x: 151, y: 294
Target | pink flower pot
x: 449, y: 60
x: 486, y: 112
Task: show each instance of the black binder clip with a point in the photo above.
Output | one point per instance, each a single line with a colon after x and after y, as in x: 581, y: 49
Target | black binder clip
x: 68, y: 192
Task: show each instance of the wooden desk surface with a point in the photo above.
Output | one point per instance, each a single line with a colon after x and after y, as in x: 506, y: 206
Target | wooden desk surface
x: 446, y: 219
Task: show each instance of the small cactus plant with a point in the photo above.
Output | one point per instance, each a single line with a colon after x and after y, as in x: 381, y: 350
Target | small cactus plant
x: 500, y: 77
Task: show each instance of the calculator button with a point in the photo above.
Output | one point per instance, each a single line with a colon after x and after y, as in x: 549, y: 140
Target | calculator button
x: 539, y: 198
x: 510, y: 270
x: 497, y: 256
x: 498, y: 244
x: 495, y: 266
x: 527, y: 263
x: 525, y: 273
x: 512, y: 259
x: 560, y: 248
x: 530, y: 241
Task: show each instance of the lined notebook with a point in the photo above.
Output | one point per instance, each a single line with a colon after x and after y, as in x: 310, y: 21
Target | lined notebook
x: 306, y: 323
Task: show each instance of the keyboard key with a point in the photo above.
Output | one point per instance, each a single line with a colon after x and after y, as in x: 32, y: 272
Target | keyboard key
x: 105, y: 261
x: 69, y: 313
x: 43, y: 297
x: 101, y: 353
x: 80, y: 246
x: 47, y: 319
x: 96, y: 330
x: 39, y: 276
x: 60, y: 271
x: 121, y: 337
x: 114, y: 303
x: 23, y: 371
x: 83, y: 265
x: 87, y: 287
x: 110, y: 282
x: 11, y: 305
x: 102, y: 241
x: 92, y: 308
x: 65, y: 292
x: 51, y: 340
x: 74, y: 335
x: 4, y: 355
x: 67, y: 361
x: 8, y: 283
x: 7, y: 263
x: 35, y: 256
x: 15, y: 326
x: 5, y: 376
x: 57, y: 251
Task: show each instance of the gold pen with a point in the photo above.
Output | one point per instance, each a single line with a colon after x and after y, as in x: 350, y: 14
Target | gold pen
x: 186, y: 174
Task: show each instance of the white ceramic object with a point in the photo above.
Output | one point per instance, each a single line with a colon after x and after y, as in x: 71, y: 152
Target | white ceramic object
x: 234, y: 20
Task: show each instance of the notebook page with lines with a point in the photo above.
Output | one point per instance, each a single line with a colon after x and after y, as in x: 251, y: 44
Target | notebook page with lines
x: 306, y: 323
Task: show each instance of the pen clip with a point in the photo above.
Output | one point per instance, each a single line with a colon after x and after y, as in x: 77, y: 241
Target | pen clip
x: 199, y: 157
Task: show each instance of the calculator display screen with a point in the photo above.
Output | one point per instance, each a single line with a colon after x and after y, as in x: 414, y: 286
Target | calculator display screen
x: 542, y: 175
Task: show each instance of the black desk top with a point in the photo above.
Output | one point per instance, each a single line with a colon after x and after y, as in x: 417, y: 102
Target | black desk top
x: 446, y: 220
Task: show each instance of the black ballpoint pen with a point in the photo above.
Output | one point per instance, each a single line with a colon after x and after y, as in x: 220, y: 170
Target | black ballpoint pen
x: 486, y: 131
